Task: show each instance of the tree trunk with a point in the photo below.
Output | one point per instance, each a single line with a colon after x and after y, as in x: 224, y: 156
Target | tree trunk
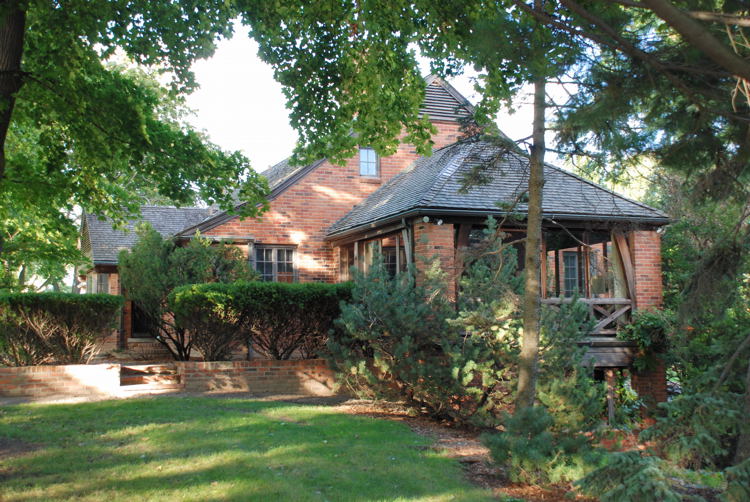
x: 12, y: 28
x: 527, y: 367
x: 699, y: 37
x: 743, y: 444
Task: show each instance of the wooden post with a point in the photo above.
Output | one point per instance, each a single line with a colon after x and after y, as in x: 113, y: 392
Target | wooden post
x: 407, y: 245
x: 623, y: 250
x: 543, y: 267
x: 605, y: 270
x: 557, y: 273
x: 398, y: 256
x: 609, y: 375
x: 586, y: 266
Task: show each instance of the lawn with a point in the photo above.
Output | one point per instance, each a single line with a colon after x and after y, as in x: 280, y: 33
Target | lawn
x: 204, y: 449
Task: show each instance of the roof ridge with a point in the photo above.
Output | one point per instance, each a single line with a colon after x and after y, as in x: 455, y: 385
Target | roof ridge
x: 597, y: 185
x: 445, y: 175
x: 160, y: 206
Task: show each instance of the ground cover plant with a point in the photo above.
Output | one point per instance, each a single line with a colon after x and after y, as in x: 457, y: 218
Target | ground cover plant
x: 174, y: 448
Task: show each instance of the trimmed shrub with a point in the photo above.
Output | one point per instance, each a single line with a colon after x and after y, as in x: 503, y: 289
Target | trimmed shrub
x: 39, y: 328
x: 284, y: 318
x: 279, y: 319
x: 214, y: 320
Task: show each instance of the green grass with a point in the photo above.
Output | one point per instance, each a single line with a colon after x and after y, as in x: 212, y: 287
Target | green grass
x: 208, y: 449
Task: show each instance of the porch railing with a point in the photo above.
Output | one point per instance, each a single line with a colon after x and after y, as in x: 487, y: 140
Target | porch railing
x: 607, y: 313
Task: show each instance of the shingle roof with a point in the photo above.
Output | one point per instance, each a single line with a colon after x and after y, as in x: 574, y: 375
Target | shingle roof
x: 281, y: 172
x: 433, y: 183
x: 106, y: 242
x: 442, y: 102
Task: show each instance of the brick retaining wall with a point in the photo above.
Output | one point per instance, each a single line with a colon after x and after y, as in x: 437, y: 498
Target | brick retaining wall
x: 308, y: 377
x: 74, y: 379
x: 301, y: 377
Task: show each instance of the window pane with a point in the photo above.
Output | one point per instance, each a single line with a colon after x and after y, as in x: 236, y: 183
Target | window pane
x: 281, y: 259
x: 102, y: 283
x: 570, y: 277
x: 368, y: 162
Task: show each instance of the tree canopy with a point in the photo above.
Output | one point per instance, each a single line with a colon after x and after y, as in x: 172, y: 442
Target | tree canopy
x: 79, y: 130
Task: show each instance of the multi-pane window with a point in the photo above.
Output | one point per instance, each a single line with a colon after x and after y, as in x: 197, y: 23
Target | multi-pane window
x: 102, y: 283
x: 392, y: 261
x: 368, y: 162
x: 275, y: 263
x: 571, y: 273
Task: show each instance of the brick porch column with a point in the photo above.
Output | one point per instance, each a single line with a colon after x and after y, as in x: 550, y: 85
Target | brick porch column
x: 646, y: 251
x: 646, y: 248
x: 436, y: 241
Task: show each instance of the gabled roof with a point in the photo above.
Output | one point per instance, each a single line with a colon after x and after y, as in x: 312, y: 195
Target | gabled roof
x: 442, y: 102
x: 432, y: 184
x: 105, y: 242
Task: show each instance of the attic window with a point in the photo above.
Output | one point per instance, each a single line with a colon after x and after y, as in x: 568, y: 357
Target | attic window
x: 368, y: 162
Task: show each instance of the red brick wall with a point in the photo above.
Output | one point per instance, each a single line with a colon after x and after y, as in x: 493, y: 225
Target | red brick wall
x: 70, y: 380
x: 432, y: 240
x: 308, y: 377
x: 302, y: 214
x: 646, y: 252
x: 651, y: 385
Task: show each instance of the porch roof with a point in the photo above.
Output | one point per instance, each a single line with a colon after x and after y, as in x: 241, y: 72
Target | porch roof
x: 433, y: 184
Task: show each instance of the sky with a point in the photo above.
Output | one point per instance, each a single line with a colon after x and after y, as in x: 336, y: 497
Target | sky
x: 241, y: 106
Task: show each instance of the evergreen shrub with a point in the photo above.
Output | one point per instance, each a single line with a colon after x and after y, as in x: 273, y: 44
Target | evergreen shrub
x: 534, y: 449
x: 401, y: 339
x: 64, y: 328
x: 629, y: 477
x: 738, y: 482
x: 697, y: 430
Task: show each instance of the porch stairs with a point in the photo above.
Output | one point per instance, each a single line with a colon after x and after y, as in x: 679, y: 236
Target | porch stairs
x: 149, y: 378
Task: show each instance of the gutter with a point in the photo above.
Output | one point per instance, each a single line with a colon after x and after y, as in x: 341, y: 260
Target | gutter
x: 343, y: 234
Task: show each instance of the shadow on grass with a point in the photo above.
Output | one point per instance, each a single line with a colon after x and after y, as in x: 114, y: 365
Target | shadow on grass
x: 173, y: 448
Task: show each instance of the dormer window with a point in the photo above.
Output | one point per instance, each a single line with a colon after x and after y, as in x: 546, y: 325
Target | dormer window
x: 368, y: 162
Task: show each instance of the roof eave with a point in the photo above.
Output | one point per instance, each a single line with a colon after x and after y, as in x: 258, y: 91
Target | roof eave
x: 410, y: 213
x: 225, y: 216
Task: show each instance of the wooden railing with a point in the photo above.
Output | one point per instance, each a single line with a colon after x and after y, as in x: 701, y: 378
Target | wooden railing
x: 606, y: 312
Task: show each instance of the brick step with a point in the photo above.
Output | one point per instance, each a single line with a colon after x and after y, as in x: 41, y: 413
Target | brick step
x: 150, y: 388
x: 155, y: 379
x: 148, y: 369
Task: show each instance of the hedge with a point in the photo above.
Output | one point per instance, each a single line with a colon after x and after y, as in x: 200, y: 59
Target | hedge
x: 64, y: 328
x: 278, y: 319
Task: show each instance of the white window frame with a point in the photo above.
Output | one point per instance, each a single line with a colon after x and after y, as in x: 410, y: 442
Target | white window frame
x: 372, y: 166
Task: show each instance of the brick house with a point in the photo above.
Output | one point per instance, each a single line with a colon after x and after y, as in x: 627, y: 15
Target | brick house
x: 325, y: 218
